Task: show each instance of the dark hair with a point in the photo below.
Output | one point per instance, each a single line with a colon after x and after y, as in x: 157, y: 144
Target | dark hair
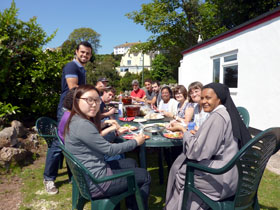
x: 84, y: 43
x: 76, y: 109
x: 169, y: 90
x: 68, y: 100
x: 148, y: 80
x: 156, y: 82
x: 181, y: 89
x: 110, y: 89
x: 192, y: 86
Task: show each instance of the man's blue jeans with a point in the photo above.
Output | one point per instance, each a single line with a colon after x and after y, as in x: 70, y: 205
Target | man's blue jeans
x: 54, y: 155
x: 52, y: 161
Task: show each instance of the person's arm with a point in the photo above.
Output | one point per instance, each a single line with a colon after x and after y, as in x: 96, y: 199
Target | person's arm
x: 189, y: 111
x: 90, y: 136
x: 205, y: 143
x: 108, y: 114
x: 154, y: 100
x: 72, y: 82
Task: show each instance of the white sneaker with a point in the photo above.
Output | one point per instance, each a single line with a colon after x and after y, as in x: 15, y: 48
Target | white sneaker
x: 50, y: 187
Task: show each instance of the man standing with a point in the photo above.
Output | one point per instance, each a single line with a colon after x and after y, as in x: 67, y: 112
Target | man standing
x: 73, y: 75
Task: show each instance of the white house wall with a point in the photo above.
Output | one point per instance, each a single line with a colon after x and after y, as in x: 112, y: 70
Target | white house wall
x: 258, y: 70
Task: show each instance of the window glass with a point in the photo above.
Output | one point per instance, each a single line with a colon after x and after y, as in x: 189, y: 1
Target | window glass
x: 128, y: 62
x: 216, y: 70
x: 230, y: 58
x: 231, y: 76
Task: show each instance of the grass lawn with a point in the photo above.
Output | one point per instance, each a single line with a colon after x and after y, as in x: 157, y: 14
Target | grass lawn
x: 36, y: 198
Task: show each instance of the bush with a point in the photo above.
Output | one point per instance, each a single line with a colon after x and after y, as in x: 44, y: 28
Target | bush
x: 31, y: 74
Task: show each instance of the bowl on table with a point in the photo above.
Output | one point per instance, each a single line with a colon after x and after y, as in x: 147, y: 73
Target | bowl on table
x: 132, y: 110
x: 154, y: 129
x: 127, y: 100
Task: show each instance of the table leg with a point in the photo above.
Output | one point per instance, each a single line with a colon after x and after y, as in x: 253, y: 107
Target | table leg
x: 142, y: 156
x: 160, y: 164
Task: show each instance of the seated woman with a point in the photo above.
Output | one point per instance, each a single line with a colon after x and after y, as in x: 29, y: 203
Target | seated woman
x: 213, y: 145
x: 83, y: 140
x: 184, y: 113
x: 196, y: 110
x: 168, y: 105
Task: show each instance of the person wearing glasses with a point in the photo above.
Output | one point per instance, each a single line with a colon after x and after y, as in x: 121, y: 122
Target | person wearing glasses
x: 137, y: 93
x: 83, y: 140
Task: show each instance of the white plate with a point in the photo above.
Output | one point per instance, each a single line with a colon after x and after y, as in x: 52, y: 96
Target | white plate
x: 139, y: 120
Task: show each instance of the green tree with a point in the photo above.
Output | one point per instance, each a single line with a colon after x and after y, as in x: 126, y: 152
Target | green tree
x: 233, y: 13
x: 86, y: 34
x: 29, y: 76
x: 160, y: 68
x: 103, y: 66
x: 175, y: 26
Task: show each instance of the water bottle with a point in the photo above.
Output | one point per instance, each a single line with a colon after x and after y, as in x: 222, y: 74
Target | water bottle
x: 120, y: 110
x: 191, y: 126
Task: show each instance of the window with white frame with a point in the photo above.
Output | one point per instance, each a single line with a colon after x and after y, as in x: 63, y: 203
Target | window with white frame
x: 128, y: 62
x: 225, y: 69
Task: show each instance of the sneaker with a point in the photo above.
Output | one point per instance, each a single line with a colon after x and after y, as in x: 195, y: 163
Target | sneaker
x: 50, y: 187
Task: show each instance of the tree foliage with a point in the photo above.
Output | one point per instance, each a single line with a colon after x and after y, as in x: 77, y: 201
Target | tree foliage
x: 86, y: 34
x: 30, y: 76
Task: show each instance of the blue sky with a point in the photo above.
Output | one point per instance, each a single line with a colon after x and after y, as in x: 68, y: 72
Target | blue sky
x: 106, y: 17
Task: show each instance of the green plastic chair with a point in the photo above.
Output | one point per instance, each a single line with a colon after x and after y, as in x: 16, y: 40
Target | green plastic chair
x: 46, y: 128
x: 244, y: 114
x: 80, y: 187
x: 251, y: 161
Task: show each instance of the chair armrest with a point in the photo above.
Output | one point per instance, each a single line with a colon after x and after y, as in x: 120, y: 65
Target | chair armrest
x: 203, y: 168
x: 115, y: 176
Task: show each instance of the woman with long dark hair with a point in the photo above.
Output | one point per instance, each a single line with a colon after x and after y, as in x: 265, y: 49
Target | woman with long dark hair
x: 83, y: 140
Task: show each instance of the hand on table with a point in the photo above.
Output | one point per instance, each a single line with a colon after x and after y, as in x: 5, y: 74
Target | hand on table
x: 175, y: 126
x: 140, y: 138
x: 122, y: 130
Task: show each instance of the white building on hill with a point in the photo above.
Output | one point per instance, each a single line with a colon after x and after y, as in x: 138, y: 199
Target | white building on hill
x: 247, y: 59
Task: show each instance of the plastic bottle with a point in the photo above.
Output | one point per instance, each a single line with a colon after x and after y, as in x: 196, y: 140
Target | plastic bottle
x: 120, y: 110
x: 191, y: 126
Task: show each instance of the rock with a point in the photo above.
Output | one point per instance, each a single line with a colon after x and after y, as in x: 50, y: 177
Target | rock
x: 8, y: 137
x: 21, y: 130
x: 9, y: 153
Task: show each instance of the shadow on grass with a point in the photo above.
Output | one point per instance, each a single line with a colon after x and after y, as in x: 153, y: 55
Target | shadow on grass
x: 268, y: 208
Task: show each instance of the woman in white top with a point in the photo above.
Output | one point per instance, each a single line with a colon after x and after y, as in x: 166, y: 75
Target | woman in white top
x: 168, y: 105
x: 185, y: 109
x: 199, y: 116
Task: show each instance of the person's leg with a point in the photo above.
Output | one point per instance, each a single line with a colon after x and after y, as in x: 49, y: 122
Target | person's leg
x: 118, y: 186
x: 51, y: 167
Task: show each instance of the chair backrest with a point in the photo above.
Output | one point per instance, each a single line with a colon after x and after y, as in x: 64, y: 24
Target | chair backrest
x: 244, y: 114
x: 58, y: 137
x: 80, y: 173
x: 251, y: 163
x: 46, y: 128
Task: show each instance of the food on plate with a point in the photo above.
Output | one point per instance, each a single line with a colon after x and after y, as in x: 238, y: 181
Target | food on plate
x: 126, y: 118
x: 174, y: 135
x: 153, y: 116
x: 130, y: 127
x: 139, y: 120
x: 131, y: 136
